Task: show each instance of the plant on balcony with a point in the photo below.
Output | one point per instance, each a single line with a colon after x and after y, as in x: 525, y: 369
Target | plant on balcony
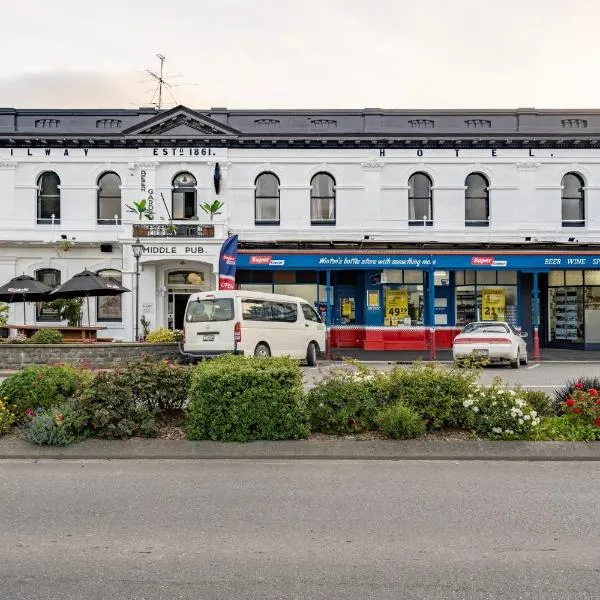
x: 170, y: 227
x: 64, y: 245
x: 141, y: 209
x: 212, y: 208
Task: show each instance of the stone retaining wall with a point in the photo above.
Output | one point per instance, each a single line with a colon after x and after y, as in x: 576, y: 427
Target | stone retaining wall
x: 96, y: 356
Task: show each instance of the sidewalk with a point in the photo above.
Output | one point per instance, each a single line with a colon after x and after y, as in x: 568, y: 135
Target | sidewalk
x: 13, y: 448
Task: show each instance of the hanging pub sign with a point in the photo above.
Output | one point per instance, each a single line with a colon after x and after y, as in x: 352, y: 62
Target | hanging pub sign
x: 493, y: 304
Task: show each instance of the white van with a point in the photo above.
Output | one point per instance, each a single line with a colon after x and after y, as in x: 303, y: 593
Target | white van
x: 252, y: 323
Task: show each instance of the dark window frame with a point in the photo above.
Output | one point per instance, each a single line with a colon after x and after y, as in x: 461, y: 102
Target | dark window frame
x: 580, y: 198
x: 99, y: 198
x: 191, y: 190
x: 331, y: 198
x: 99, y: 299
x: 258, y: 221
x: 39, y: 306
x: 428, y: 222
x: 40, y: 199
x: 485, y: 198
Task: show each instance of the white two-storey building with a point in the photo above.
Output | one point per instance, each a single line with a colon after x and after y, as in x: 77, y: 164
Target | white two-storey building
x: 391, y: 222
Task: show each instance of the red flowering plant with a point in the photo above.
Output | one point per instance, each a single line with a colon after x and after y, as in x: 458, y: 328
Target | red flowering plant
x: 583, y: 404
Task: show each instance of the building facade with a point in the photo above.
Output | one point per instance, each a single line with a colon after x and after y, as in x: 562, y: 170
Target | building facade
x: 391, y: 222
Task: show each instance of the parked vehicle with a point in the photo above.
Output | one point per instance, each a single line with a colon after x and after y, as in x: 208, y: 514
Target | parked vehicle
x: 496, y: 341
x: 252, y: 323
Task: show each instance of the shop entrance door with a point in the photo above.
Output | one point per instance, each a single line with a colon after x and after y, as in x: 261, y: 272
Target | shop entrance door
x: 177, y: 305
x: 345, y: 307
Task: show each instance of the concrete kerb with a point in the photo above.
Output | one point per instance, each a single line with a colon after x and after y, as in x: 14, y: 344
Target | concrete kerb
x: 13, y: 448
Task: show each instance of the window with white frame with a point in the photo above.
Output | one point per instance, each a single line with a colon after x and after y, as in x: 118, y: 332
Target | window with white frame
x: 109, y: 308
x: 184, y: 196
x: 573, y: 200
x: 420, y: 200
x: 109, y: 199
x: 266, y: 199
x: 477, y: 201
x: 48, y: 198
x: 322, y: 199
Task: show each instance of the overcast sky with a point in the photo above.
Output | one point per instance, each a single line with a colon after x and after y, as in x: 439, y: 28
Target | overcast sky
x: 302, y: 53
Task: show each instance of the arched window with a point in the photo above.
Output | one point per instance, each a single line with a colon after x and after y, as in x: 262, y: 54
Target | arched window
x: 184, y: 196
x: 45, y: 311
x: 109, y: 199
x: 420, y: 200
x: 322, y: 199
x: 477, y: 201
x: 573, y: 200
x: 109, y: 308
x: 266, y: 199
x: 48, y: 198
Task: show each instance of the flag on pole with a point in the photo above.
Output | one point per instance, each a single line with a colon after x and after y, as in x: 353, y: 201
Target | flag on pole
x: 227, y: 262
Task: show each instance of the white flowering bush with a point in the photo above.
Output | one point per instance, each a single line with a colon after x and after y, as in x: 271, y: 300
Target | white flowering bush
x: 499, y: 413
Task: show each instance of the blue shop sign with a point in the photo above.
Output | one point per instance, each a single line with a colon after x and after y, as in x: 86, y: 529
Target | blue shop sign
x: 483, y: 261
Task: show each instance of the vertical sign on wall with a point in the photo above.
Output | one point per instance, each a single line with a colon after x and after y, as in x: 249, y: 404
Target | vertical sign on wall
x: 493, y: 303
x: 396, y: 306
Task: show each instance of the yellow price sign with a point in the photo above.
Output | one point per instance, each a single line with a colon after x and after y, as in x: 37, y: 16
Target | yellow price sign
x: 493, y: 304
x: 396, y: 306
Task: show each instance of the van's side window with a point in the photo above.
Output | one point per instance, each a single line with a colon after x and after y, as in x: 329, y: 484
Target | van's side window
x: 284, y: 312
x: 254, y: 310
x: 264, y: 310
x: 310, y: 314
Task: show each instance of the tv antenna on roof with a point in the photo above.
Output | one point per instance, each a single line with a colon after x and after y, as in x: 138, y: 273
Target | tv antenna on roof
x: 161, y: 82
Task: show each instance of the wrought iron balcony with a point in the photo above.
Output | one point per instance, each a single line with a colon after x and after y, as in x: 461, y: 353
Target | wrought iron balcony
x: 178, y: 230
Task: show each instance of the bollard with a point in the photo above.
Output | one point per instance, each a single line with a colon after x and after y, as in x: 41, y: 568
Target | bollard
x: 536, y: 345
x: 328, y: 341
x: 432, y: 353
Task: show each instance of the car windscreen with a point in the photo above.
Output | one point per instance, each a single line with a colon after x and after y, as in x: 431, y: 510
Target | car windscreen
x: 211, y: 309
x: 485, y: 328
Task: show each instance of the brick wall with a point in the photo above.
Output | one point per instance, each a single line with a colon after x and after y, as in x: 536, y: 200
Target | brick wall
x: 97, y: 356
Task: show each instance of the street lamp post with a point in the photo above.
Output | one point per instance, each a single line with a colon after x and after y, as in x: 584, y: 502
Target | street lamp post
x: 137, y: 252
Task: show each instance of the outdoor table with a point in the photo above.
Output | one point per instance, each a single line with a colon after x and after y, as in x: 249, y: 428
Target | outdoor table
x: 71, y: 334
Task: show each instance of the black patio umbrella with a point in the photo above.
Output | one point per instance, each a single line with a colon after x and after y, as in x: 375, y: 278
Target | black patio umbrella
x: 24, y: 289
x: 86, y: 284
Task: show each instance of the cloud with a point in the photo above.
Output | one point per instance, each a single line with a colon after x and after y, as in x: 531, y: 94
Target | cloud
x: 72, y: 89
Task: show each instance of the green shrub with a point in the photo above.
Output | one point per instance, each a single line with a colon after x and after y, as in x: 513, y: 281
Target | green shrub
x: 347, y: 401
x: 47, y: 336
x: 434, y: 392
x: 539, y: 401
x: 565, y: 429
x: 7, y: 418
x: 400, y: 422
x: 499, y: 413
x: 108, y: 408
x: 42, y: 386
x: 158, y: 384
x: 57, y: 426
x: 239, y: 399
x: 161, y: 336
x: 561, y: 394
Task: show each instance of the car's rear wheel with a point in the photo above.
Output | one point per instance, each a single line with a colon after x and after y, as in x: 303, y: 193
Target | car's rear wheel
x: 515, y: 364
x: 311, y: 355
x: 524, y: 360
x: 262, y: 350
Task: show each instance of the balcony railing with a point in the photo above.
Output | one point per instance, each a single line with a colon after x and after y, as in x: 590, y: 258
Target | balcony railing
x: 174, y: 230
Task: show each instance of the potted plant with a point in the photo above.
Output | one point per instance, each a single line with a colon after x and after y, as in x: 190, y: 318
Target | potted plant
x: 145, y: 327
x: 212, y: 208
x: 4, y: 331
x: 64, y: 245
x: 142, y: 210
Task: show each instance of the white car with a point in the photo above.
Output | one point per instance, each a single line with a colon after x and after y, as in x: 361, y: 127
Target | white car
x: 496, y: 341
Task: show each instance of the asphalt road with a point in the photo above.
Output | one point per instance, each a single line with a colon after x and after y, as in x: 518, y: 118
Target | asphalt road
x: 546, y: 376
x: 299, y: 530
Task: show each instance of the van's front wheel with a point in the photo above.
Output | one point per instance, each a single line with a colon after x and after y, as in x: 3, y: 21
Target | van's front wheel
x: 262, y: 351
x: 311, y: 355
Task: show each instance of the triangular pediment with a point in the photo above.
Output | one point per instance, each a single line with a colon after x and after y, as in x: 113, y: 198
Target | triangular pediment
x: 181, y: 122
